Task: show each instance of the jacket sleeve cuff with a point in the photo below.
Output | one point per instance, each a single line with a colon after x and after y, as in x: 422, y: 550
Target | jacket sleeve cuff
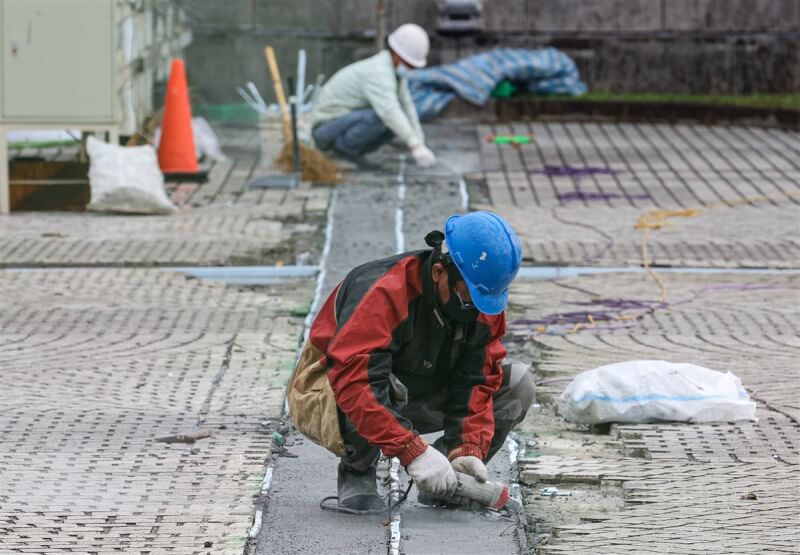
x: 412, y: 450
x: 465, y: 450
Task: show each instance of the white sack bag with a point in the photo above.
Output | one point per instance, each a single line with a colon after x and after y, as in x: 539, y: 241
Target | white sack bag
x: 206, y: 143
x: 126, y: 179
x: 655, y: 390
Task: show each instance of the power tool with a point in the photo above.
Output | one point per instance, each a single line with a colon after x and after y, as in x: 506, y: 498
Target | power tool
x: 493, y: 495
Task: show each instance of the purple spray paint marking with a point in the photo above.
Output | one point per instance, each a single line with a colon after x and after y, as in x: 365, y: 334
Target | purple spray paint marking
x: 626, y: 311
x: 576, y: 174
x: 570, y: 171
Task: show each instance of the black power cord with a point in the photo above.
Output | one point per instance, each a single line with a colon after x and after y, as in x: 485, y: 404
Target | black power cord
x: 389, y: 507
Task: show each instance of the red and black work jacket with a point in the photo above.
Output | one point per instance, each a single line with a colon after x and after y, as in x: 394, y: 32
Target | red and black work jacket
x: 382, y: 319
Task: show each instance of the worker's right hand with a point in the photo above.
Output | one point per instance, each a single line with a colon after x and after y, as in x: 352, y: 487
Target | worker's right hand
x: 433, y: 473
x: 423, y: 156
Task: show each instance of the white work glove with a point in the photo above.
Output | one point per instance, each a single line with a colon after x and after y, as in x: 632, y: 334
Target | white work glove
x: 423, y: 156
x: 472, y: 466
x: 433, y: 473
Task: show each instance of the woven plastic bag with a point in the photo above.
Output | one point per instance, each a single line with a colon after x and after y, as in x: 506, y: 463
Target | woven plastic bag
x: 206, y: 143
x: 126, y: 179
x: 655, y: 390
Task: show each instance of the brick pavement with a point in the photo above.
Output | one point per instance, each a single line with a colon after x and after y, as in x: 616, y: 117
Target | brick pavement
x: 747, y: 324
x: 146, y: 353
x: 743, y: 181
x: 659, y: 488
x: 684, y: 487
x: 675, y: 506
x: 220, y: 222
x: 98, y: 364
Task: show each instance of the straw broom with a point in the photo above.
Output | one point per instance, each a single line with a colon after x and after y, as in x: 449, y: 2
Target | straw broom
x: 315, y: 166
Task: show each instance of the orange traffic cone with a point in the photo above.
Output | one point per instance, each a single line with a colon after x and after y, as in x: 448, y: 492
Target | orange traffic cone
x: 176, y: 153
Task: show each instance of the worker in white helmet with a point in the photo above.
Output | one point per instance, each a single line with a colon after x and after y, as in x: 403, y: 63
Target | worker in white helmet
x: 367, y: 103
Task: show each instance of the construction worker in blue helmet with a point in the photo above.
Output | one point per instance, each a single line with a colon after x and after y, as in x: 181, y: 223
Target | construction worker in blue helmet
x: 410, y: 345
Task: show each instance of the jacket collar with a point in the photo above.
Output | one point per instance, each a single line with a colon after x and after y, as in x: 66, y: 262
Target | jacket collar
x: 429, y: 300
x: 387, y: 57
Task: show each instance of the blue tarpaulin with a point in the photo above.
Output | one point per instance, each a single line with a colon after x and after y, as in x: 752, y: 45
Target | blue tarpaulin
x: 545, y: 72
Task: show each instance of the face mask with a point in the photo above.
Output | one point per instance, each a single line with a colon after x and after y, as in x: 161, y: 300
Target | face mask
x: 402, y: 71
x: 454, y: 309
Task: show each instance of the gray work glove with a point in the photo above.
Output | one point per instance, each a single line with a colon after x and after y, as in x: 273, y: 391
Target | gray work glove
x: 471, y: 465
x: 433, y: 473
x: 423, y: 156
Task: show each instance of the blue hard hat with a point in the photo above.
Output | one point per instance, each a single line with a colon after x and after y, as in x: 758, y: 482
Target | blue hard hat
x: 488, y: 253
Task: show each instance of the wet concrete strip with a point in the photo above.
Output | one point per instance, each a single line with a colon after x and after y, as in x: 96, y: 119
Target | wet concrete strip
x: 457, y: 532
x: 364, y: 226
x: 293, y: 522
x: 395, y: 523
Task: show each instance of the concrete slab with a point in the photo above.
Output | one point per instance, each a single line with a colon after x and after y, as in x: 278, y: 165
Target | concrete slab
x: 436, y: 531
x: 363, y: 226
x: 293, y: 521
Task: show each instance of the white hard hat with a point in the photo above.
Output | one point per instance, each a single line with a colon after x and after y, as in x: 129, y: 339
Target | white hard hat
x: 410, y: 42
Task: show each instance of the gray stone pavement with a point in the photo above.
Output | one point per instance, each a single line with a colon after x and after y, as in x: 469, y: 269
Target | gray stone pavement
x: 742, y: 182
x: 710, y: 319
x: 673, y: 506
x: 730, y: 196
x: 97, y: 365
x: 680, y: 488
x: 220, y: 222
x: 146, y: 353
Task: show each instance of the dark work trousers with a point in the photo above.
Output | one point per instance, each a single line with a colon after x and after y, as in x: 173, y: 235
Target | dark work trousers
x: 353, y: 134
x: 511, y: 403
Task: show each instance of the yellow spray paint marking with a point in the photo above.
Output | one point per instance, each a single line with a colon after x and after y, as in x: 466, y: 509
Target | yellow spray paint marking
x: 657, y: 219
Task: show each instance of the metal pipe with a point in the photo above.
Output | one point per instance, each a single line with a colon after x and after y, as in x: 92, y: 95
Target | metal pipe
x: 301, y: 76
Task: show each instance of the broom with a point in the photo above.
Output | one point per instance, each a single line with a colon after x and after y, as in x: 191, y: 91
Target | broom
x: 315, y: 166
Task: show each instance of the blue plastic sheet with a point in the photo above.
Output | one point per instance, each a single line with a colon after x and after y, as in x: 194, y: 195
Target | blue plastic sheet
x: 545, y: 72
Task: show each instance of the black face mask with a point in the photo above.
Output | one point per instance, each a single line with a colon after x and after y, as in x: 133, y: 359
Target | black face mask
x: 453, y: 308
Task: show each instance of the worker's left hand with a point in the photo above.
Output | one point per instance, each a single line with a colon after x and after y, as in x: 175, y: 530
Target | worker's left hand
x: 471, y: 465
